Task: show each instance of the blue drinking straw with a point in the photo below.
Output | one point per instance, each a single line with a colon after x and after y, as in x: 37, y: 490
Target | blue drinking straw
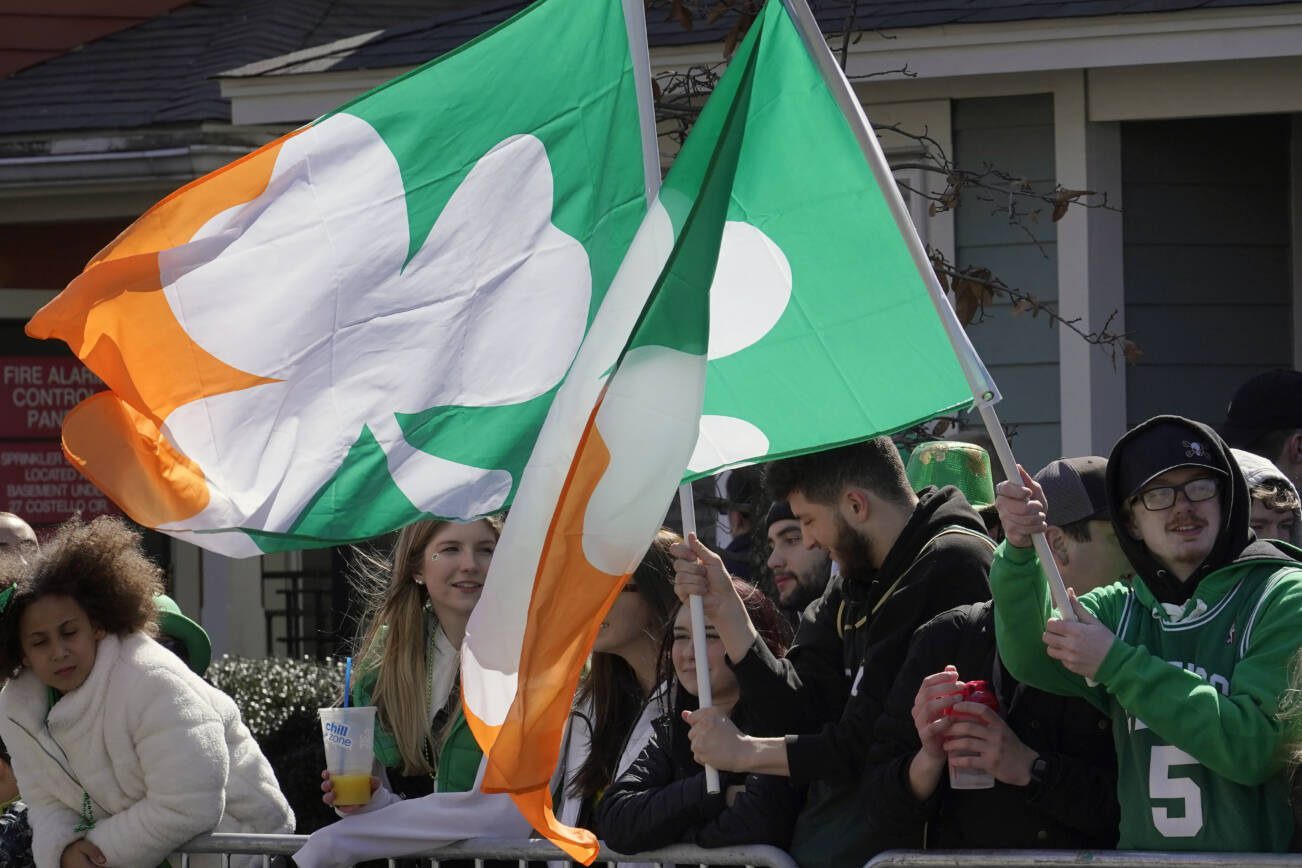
x: 348, y: 680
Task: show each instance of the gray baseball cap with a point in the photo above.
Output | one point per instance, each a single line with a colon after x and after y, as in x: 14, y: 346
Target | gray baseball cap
x: 1075, y: 489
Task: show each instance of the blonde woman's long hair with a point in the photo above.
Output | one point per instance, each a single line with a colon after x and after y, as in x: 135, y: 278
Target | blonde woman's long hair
x: 395, y: 633
x: 1290, y: 713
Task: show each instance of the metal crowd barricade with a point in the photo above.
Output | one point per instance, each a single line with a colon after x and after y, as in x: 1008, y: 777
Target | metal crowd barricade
x: 482, y: 849
x: 1037, y: 858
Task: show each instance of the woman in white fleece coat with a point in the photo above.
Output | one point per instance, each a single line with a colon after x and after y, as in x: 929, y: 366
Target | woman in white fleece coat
x: 121, y: 752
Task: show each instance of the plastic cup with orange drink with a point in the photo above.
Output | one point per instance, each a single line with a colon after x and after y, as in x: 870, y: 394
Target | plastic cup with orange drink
x: 349, y: 734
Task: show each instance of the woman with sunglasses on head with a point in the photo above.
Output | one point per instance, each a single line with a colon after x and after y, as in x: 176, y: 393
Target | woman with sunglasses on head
x: 661, y: 799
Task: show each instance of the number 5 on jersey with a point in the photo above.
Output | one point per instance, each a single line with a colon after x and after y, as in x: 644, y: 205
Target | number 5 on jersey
x: 1164, y: 785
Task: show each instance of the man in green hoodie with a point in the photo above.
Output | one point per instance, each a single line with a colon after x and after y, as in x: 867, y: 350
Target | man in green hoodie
x: 1190, y: 659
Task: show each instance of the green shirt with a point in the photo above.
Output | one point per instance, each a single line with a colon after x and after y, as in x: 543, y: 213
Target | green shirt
x: 1193, y: 696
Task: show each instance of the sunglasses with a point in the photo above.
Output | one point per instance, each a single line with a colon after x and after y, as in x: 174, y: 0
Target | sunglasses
x: 1163, y: 497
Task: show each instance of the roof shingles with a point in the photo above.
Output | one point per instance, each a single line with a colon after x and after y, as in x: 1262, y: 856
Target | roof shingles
x: 162, y: 72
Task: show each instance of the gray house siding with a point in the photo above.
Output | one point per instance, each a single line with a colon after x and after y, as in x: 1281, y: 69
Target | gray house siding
x: 1015, y: 135
x: 1207, y: 259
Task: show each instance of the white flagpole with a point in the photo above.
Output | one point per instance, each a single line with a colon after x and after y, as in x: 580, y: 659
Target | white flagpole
x: 640, y: 54
x: 635, y: 23
x: 704, y: 692
x: 979, y: 381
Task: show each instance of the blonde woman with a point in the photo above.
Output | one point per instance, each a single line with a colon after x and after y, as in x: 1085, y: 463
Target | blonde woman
x: 408, y: 658
x: 427, y: 762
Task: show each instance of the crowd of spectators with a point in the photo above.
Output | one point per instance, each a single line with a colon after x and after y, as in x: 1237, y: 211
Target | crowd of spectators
x: 909, y: 683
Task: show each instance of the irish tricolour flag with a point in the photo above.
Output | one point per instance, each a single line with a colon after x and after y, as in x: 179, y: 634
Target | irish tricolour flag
x: 785, y: 297
x: 604, y: 468
x: 366, y: 320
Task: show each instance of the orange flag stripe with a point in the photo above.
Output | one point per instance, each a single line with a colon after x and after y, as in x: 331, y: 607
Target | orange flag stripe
x: 173, y: 220
x: 558, y: 638
x: 105, y: 433
x: 116, y: 318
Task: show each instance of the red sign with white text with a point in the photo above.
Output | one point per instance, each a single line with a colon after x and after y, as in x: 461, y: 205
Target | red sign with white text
x: 36, y: 392
x: 39, y: 485
x: 36, y: 481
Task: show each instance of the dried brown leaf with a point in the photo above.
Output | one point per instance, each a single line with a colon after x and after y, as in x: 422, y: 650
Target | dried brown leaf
x: 1063, y: 199
x: 679, y: 12
x: 941, y: 276
x: 737, y: 33
x: 1132, y: 351
x: 971, y: 294
x: 939, y: 429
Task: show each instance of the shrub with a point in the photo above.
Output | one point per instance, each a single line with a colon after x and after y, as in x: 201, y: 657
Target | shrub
x: 278, y: 699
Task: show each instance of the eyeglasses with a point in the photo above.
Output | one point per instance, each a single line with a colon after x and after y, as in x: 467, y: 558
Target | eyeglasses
x: 1163, y: 497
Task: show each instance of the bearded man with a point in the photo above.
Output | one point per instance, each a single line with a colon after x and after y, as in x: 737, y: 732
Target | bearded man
x: 904, y: 558
x: 800, y: 574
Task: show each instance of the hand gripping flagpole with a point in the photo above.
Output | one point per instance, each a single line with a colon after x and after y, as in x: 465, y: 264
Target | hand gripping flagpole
x: 704, y: 692
x: 983, y: 388
x: 635, y: 24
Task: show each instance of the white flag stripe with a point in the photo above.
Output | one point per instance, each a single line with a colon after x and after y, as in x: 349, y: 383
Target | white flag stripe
x: 495, y: 634
x: 648, y: 421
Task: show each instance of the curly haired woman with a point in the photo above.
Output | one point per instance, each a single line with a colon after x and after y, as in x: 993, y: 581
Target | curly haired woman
x: 121, y: 752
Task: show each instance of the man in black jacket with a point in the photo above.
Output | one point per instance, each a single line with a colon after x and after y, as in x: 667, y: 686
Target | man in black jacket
x: 904, y: 558
x: 1052, y: 758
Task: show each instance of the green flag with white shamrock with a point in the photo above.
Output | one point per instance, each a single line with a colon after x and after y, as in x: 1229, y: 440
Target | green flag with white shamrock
x: 822, y: 330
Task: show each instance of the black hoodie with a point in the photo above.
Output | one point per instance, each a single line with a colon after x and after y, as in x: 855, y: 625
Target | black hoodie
x: 1235, y: 540
x: 826, y: 695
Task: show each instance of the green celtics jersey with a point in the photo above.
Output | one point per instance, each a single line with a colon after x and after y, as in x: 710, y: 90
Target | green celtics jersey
x: 1192, y: 692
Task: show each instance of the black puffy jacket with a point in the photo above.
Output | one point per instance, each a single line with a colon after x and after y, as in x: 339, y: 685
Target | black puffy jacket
x: 1074, y: 807
x: 661, y: 800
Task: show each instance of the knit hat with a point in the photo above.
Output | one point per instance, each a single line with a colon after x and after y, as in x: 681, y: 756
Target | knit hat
x: 965, y: 466
x: 779, y: 511
x: 1258, y: 471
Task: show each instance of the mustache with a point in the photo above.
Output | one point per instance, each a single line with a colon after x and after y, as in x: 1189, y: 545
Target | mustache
x: 1192, y: 521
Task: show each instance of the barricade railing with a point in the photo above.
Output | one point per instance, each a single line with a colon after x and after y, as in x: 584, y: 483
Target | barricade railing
x: 1092, y: 858
x: 480, y: 850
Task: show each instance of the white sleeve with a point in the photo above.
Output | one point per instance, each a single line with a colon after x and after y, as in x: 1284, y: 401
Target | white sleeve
x: 413, y: 826
x: 53, y: 823
x: 180, y: 743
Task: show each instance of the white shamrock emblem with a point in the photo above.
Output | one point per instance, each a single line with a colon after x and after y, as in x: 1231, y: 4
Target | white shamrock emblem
x: 310, y: 284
